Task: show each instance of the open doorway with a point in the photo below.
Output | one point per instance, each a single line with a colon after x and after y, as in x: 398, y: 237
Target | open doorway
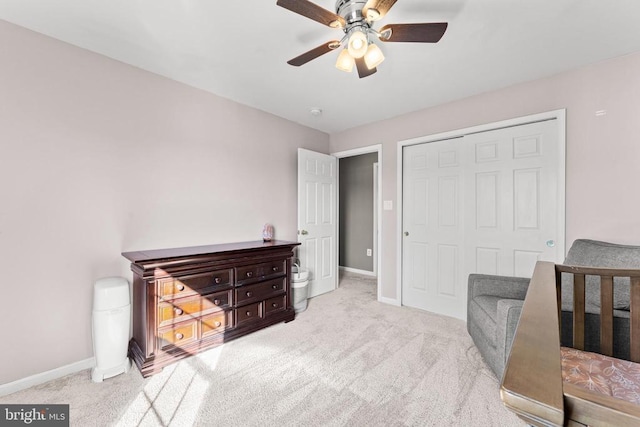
x: 359, y: 206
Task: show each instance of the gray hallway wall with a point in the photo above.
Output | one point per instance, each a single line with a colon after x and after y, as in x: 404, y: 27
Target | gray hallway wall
x: 356, y: 211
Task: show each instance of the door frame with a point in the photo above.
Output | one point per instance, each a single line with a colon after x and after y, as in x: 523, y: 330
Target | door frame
x: 377, y: 148
x: 559, y: 115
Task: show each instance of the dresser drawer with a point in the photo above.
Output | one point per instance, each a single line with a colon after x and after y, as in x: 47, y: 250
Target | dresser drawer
x: 275, y: 304
x: 216, y: 323
x: 248, y: 313
x: 186, y: 308
x: 259, y: 291
x: 178, y: 335
x: 176, y: 287
x: 258, y: 271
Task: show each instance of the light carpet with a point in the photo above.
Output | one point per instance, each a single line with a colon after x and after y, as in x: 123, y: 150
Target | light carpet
x: 347, y: 360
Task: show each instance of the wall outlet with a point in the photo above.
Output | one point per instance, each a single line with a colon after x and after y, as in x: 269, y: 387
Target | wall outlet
x: 368, y: 252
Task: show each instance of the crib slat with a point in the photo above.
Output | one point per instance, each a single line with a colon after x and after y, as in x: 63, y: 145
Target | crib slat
x: 606, y: 315
x: 559, y: 298
x: 578, y: 311
x: 635, y: 319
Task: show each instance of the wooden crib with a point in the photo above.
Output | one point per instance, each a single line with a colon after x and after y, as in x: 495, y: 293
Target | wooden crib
x: 549, y: 385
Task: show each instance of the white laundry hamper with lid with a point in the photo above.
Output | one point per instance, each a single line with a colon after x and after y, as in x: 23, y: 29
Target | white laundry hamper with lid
x: 300, y: 288
x: 110, y: 326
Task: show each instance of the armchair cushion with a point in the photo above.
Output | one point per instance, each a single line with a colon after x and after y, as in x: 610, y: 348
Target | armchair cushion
x: 592, y: 253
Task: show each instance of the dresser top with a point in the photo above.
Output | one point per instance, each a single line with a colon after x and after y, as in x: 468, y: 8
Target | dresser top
x: 160, y: 254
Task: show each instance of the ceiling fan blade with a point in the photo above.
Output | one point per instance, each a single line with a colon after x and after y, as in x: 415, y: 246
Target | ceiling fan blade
x: 419, y: 33
x: 363, y: 70
x: 314, y: 53
x: 313, y: 11
x: 381, y: 6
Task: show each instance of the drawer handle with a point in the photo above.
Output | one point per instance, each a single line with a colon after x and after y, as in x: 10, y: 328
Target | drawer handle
x: 218, y: 324
x: 178, y: 311
x: 179, y: 336
x: 249, y: 293
x: 180, y: 287
x: 216, y: 301
x: 248, y: 314
x: 274, y: 286
x: 217, y: 280
x: 249, y: 273
x: 275, y: 268
x: 275, y: 304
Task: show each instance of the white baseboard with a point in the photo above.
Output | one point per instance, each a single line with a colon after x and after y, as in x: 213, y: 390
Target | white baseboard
x: 355, y: 270
x: 43, y: 377
x: 391, y: 301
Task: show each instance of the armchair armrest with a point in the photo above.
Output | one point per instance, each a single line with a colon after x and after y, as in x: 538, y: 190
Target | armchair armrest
x: 532, y: 382
x: 508, y: 315
x: 499, y: 286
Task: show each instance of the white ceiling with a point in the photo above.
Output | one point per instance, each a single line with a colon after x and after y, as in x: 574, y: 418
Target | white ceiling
x: 238, y: 49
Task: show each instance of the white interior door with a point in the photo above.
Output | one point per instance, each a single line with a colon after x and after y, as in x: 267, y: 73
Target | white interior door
x: 317, y: 219
x: 485, y: 202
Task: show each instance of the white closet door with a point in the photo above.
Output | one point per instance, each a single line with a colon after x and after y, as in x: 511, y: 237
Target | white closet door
x: 512, y: 187
x: 433, y: 242
x: 485, y: 202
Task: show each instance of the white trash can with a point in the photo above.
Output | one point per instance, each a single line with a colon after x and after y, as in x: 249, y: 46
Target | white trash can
x: 110, y: 327
x: 300, y: 288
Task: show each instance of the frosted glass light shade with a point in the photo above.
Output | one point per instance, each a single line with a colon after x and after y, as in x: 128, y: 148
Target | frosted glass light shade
x: 373, y: 57
x: 357, y: 45
x: 373, y: 14
x: 345, y: 62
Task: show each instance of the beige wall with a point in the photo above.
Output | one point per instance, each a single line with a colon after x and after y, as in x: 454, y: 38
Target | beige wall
x: 97, y: 158
x: 603, y: 153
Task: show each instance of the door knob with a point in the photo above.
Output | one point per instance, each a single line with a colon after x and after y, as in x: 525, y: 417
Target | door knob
x: 304, y: 232
x: 551, y: 243
x: 406, y: 233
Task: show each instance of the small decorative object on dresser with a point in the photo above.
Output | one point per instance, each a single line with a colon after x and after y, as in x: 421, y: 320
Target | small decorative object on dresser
x: 267, y: 232
x: 186, y: 300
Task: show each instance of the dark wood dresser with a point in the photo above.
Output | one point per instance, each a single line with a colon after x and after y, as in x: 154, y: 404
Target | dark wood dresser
x: 186, y: 300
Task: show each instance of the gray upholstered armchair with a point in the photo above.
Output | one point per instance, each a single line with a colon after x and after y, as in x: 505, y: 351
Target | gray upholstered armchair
x: 494, y: 303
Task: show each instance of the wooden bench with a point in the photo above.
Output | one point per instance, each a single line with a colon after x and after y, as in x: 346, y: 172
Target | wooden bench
x: 533, y: 385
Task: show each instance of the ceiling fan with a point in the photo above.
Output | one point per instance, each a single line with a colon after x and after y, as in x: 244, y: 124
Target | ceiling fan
x: 356, y: 19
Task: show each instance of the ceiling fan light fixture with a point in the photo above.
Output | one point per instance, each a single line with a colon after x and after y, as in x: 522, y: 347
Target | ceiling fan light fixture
x: 356, y: 19
x: 357, y: 44
x: 345, y: 61
x: 373, y: 57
